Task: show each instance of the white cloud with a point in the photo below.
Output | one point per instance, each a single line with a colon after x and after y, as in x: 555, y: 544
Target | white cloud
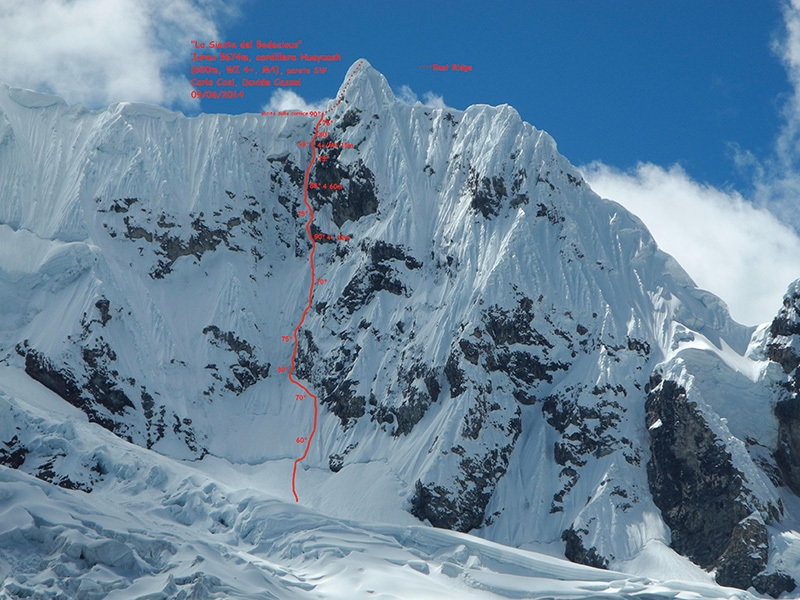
x: 788, y: 49
x: 740, y: 252
x: 745, y: 250
x: 289, y: 100
x: 102, y: 51
x: 407, y: 96
x: 776, y: 178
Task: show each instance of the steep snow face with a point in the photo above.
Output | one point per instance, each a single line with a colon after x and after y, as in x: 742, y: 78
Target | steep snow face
x: 482, y: 333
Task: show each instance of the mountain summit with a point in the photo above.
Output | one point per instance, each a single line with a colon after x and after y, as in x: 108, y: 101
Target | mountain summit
x: 494, y: 350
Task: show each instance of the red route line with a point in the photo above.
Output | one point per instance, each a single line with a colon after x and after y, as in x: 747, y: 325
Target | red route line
x: 313, y: 280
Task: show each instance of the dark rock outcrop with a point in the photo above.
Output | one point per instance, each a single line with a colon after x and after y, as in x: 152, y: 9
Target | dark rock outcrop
x: 486, y: 193
x: 783, y: 332
x: 92, y: 383
x: 247, y: 370
x: 171, y: 237
x: 787, y: 454
x: 462, y: 507
x: 381, y: 272
x: 101, y: 399
x: 703, y: 498
x: 578, y: 553
x: 691, y: 476
x: 349, y: 189
x: 13, y: 454
x: 774, y: 584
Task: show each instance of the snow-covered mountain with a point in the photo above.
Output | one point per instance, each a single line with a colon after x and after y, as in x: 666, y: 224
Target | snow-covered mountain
x: 495, y: 350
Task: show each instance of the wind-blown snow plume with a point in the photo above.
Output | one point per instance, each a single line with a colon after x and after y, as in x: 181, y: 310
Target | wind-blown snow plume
x: 289, y: 100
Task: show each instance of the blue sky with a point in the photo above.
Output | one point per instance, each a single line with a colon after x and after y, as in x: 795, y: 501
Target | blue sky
x: 686, y: 112
x: 620, y: 81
